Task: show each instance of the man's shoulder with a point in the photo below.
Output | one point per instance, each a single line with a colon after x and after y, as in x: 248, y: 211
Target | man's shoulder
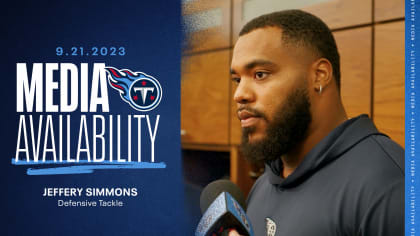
x: 392, y: 151
x: 377, y: 152
x: 371, y: 165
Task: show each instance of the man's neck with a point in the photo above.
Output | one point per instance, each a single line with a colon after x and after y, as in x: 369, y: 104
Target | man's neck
x: 316, y: 132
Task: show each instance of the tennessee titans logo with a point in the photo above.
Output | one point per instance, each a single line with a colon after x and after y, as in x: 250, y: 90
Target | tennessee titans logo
x: 270, y: 227
x: 141, y: 91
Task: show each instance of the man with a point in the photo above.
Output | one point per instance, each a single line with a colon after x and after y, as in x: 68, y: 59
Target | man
x: 325, y: 174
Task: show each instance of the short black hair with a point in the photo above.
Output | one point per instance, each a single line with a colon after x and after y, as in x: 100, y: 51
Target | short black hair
x: 301, y: 28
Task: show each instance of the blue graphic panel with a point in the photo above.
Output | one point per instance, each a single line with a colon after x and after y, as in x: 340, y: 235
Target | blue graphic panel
x: 412, y: 47
x: 81, y: 156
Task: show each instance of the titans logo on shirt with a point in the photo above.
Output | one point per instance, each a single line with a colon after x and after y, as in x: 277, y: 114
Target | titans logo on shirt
x: 141, y: 91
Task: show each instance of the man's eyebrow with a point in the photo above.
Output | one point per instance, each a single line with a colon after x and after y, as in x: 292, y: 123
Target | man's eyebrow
x: 254, y: 63
x: 259, y: 62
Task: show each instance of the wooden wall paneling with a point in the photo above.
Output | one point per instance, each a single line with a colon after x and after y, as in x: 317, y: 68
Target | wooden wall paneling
x: 343, y: 13
x: 388, y: 9
x: 388, y: 105
x: 354, y: 46
x: 234, y: 164
x: 204, y: 98
x: 237, y: 19
x: 335, y: 13
x: 214, y: 37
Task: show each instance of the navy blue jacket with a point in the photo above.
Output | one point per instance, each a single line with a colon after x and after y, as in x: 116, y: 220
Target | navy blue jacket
x: 351, y: 183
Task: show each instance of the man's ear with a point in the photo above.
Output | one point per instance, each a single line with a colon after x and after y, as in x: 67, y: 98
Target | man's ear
x: 323, y: 74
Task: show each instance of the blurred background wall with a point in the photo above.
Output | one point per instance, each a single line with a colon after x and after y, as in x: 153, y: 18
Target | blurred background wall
x: 370, y: 38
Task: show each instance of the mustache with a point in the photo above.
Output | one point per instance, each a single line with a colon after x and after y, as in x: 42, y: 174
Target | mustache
x: 253, y: 111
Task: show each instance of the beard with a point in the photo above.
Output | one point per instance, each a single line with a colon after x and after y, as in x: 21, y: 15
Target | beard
x: 288, y: 128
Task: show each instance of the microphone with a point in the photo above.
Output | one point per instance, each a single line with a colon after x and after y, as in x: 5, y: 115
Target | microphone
x: 223, y: 204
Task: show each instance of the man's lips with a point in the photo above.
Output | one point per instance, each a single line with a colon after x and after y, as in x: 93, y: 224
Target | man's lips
x: 247, y: 118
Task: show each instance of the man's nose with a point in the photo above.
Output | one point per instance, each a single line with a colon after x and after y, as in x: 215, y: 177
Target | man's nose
x: 244, y: 92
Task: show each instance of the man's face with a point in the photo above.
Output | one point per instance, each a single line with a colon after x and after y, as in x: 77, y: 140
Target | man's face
x: 272, y: 97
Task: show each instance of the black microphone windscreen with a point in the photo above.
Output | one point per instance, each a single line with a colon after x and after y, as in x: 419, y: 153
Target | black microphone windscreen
x: 213, y: 190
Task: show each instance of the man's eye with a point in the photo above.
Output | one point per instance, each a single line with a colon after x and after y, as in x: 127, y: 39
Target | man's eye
x: 236, y: 80
x: 260, y: 75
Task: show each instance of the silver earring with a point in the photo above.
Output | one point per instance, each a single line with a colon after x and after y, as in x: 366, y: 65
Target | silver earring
x: 320, y: 89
